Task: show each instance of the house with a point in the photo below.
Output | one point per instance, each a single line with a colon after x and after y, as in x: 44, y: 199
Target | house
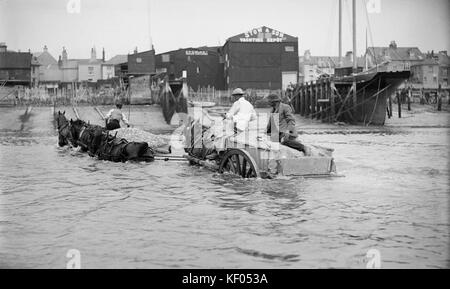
x: 444, y: 67
x: 69, y: 68
x: 34, y: 71
x: 120, y: 65
x: 399, y: 58
x: 262, y: 58
x: 49, y: 69
x: 90, y: 70
x: 313, y: 67
x: 432, y: 72
x: 15, y: 67
x: 107, y: 68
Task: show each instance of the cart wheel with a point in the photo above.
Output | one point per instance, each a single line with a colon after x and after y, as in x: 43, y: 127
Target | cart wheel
x: 240, y: 163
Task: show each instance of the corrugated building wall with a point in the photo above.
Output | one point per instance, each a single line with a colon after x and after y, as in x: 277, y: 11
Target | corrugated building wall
x: 203, y: 66
x: 142, y: 63
x: 262, y: 58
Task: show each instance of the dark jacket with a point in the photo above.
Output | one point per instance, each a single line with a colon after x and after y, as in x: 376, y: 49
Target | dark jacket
x: 286, y: 120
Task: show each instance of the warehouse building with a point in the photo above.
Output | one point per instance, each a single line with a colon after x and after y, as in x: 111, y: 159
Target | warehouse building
x: 203, y: 66
x: 262, y: 58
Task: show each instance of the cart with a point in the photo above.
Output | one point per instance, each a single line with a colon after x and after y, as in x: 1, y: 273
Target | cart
x: 254, y: 155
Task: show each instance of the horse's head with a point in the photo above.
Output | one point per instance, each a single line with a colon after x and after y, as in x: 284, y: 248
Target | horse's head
x: 76, y: 126
x: 64, y: 131
x: 61, y: 119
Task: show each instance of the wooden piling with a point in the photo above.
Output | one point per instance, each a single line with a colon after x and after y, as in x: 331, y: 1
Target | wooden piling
x: 390, y: 106
x: 302, y: 100
x: 311, y: 99
x: 307, y: 100
x: 332, y: 103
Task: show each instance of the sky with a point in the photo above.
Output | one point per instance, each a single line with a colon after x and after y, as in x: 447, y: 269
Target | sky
x: 120, y: 26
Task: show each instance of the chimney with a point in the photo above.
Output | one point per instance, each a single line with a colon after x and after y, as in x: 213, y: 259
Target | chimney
x: 135, y: 50
x: 103, y: 54
x: 93, y: 54
x: 64, y: 55
x: 60, y: 62
x: 349, y: 55
x: 393, y: 45
x: 3, y: 47
x: 45, y: 48
x: 307, y: 55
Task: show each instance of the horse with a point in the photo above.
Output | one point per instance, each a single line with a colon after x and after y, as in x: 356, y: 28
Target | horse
x: 120, y: 150
x: 84, y: 135
x: 63, y: 126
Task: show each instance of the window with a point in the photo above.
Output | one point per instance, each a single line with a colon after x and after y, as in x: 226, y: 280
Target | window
x: 198, y: 70
x: 138, y: 60
x: 435, y: 79
x: 430, y: 69
x: 166, y: 58
x: 289, y: 48
x: 90, y: 70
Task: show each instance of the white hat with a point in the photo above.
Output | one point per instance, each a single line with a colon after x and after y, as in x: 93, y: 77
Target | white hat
x: 238, y: 91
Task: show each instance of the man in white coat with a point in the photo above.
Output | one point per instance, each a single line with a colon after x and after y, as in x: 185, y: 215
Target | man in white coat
x: 241, y: 112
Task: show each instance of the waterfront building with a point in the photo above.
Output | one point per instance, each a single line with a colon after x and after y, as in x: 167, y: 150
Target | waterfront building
x: 15, y: 67
x: 262, y: 58
x: 203, y: 66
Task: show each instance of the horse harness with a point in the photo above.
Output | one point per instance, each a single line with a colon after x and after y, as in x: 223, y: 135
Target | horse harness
x: 79, y: 137
x: 109, y: 145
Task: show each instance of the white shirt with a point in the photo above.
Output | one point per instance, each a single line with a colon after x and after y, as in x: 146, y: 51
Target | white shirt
x: 117, y: 114
x: 242, y: 112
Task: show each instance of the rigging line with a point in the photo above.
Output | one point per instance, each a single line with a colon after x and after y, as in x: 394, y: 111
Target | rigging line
x: 149, y: 23
x: 370, y: 34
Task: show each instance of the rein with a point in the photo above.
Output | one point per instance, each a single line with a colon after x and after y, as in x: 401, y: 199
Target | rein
x: 80, y: 135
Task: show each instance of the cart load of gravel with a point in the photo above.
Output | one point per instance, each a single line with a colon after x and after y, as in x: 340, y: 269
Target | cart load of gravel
x: 138, y: 135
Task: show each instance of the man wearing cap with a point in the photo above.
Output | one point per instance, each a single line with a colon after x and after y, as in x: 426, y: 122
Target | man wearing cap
x: 283, y: 129
x: 114, y: 117
x: 241, y: 112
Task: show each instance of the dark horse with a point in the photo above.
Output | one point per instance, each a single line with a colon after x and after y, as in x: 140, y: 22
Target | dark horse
x: 64, y: 132
x: 83, y: 135
x: 120, y: 150
x: 97, y: 142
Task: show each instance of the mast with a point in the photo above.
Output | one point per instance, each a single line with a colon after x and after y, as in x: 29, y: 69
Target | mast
x: 340, y: 33
x: 355, y: 59
x: 355, y: 64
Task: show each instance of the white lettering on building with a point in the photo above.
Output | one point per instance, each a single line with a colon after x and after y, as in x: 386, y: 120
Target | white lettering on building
x: 263, y: 35
x: 196, y: 52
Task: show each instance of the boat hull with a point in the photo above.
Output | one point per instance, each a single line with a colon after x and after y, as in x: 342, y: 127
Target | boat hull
x: 373, y: 90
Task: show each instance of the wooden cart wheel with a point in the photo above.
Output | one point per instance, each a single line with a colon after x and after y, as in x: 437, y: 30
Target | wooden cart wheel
x: 240, y: 163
